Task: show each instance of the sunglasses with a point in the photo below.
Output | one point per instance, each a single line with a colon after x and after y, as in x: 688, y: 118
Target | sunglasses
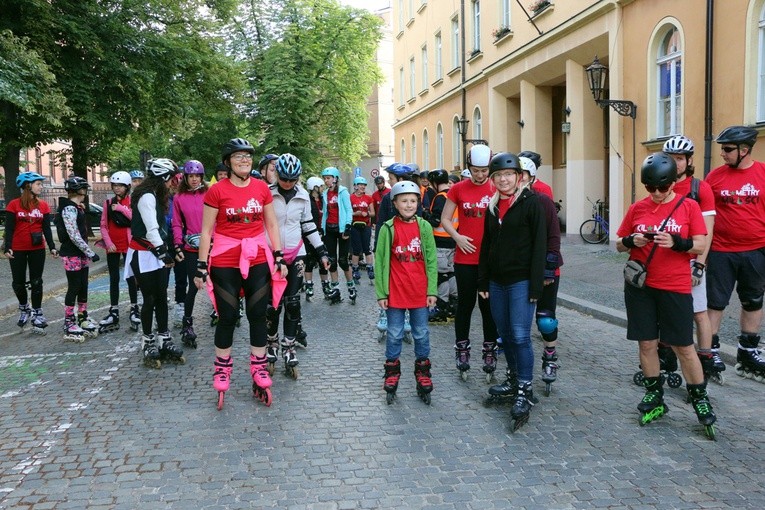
x: 660, y: 189
x: 288, y: 180
x: 728, y: 150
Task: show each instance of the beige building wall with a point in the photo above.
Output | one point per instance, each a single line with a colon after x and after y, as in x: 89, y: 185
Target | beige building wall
x: 531, y: 88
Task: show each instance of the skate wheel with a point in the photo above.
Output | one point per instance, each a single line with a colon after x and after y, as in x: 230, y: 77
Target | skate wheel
x: 709, y: 430
x: 221, y: 395
x: 548, y: 389
x: 389, y: 398
x: 292, y: 372
x: 519, y: 422
x: 271, y: 368
x: 758, y: 377
x: 638, y: 378
x: 152, y: 363
x: 464, y: 375
x: 425, y: 398
x: 674, y: 380
x: 267, y: 397
x: 489, y: 377
x: 718, y: 378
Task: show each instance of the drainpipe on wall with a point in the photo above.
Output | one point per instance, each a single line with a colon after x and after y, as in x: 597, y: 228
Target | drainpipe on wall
x: 708, y: 60
x: 462, y: 74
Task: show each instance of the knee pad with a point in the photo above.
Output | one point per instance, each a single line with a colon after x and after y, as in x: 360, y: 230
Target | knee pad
x: 272, y: 314
x: 292, y: 307
x: 343, y: 263
x: 752, y: 305
x: 546, y: 322
x: 37, y: 283
x: 18, y: 287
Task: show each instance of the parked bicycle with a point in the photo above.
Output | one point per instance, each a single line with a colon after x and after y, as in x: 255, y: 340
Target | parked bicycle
x: 595, y: 230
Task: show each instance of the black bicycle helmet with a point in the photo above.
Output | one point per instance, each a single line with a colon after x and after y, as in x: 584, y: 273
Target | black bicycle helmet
x: 236, y: 145
x: 439, y: 176
x: 379, y: 179
x: 658, y: 169
x: 75, y: 184
x: 266, y: 160
x: 533, y: 156
x: 738, y: 135
x: 504, y: 161
x: 425, y: 175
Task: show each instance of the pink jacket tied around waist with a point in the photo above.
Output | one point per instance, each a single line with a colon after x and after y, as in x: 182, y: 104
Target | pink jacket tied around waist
x: 250, y: 247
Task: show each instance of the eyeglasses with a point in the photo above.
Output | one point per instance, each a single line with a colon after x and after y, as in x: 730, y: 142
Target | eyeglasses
x: 241, y: 157
x: 728, y: 150
x: 660, y: 189
x: 288, y: 180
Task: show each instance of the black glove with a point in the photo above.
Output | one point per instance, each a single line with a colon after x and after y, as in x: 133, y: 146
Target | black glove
x: 629, y: 241
x: 95, y: 257
x: 681, y: 243
x: 161, y: 253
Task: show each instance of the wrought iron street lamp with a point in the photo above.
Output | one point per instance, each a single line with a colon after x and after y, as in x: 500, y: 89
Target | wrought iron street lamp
x: 597, y: 78
x: 462, y: 126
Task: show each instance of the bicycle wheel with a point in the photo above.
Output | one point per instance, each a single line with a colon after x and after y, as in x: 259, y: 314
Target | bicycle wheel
x: 592, y: 232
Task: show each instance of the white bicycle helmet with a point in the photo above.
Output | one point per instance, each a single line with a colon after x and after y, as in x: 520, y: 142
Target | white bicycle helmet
x: 163, y: 168
x: 313, y: 182
x: 465, y: 173
x: 678, y: 145
x: 528, y: 165
x: 402, y: 187
x: 479, y: 155
x: 120, y: 178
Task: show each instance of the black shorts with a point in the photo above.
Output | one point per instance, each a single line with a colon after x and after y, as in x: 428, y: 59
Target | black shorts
x: 653, y: 313
x: 745, y: 270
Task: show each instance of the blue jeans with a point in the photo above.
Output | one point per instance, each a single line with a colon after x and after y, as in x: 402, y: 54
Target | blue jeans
x: 513, y: 314
x: 418, y: 319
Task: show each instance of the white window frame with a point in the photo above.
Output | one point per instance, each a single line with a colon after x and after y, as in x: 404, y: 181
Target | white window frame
x: 412, y: 80
x: 401, y: 87
x: 504, y: 13
x: 477, y: 124
x: 439, y: 56
x: 403, y: 150
x: 424, y: 66
x: 401, y: 15
x: 674, y: 100
x: 475, y: 7
x: 425, y: 149
x: 760, y: 106
x: 455, y: 43
x: 440, y: 146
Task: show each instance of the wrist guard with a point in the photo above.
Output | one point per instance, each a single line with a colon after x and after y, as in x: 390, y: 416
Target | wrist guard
x: 629, y: 241
x: 681, y: 243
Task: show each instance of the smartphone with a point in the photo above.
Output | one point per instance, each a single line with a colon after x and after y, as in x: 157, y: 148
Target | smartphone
x: 649, y: 235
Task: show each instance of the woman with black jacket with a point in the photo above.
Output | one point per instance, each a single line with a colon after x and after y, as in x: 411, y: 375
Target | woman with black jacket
x: 511, y: 271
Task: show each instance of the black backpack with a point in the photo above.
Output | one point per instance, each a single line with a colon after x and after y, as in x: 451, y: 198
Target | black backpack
x: 694, y: 193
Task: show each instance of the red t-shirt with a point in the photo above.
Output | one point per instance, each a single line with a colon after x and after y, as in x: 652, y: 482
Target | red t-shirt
x: 27, y: 222
x: 542, y: 187
x: 668, y: 269
x: 706, y: 199
x: 472, y: 201
x: 361, y: 203
x: 740, y: 205
x: 118, y: 235
x: 504, y: 205
x: 240, y: 215
x: 408, y: 277
x: 377, y: 198
x: 333, y: 212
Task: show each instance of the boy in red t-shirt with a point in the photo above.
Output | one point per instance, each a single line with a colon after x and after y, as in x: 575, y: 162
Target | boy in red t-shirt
x: 407, y: 280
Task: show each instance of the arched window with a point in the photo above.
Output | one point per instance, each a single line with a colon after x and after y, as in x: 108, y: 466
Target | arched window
x: 439, y: 146
x: 761, y: 67
x: 477, y: 126
x: 425, y: 150
x: 456, y: 144
x: 414, y: 149
x: 669, y: 85
x: 403, y: 151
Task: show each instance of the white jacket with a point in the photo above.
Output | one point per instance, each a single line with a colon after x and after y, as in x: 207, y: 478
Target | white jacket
x: 295, y: 220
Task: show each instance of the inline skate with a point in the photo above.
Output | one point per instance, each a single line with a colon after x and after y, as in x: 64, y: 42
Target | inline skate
x: 749, y: 360
x: 550, y: 368
x: 73, y: 332
x: 111, y: 322
x: 424, y: 382
x: 407, y: 328
x: 652, y: 407
x: 261, y: 380
x: 178, y: 314
x: 38, y: 322
x: 489, y: 354
x: 88, y: 326
x: 308, y: 291
x: 356, y: 274
x: 168, y: 351
x: 151, y: 356
x: 524, y: 401
x: 290, y: 358
x: 392, y: 375
x: 504, y: 392
x: 462, y: 357
x: 25, y: 314
x: 135, y: 317
x: 188, y: 336
x: 352, y: 292
x: 668, y: 367
x: 371, y: 273
x: 382, y: 326
x: 272, y: 352
x: 326, y: 288
x: 718, y: 366
x: 334, y: 294
x: 697, y: 394
x: 222, y: 377
x: 301, y: 336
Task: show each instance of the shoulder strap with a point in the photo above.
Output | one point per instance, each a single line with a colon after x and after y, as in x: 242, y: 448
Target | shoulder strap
x: 661, y: 228
x: 695, y: 185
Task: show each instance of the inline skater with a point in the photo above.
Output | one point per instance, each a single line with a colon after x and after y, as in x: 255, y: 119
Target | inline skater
x: 116, y: 218
x: 380, y: 191
x: 313, y: 186
x: 336, y: 217
x: 240, y: 211
x: 539, y: 186
x: 136, y: 178
x: 361, y: 233
x: 27, y: 230
x: 267, y: 168
x: 445, y: 246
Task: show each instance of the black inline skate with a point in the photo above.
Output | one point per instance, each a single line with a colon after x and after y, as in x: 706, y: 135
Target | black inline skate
x: 749, y: 360
x: 308, y: 291
x: 718, y: 366
x: 326, y: 288
x: 168, y: 351
x: 25, y: 314
x: 424, y: 382
x: 652, y: 407
x: 38, y: 322
x: 489, y: 354
x: 668, y: 367
x: 290, y: 357
x: 504, y: 392
x: 697, y: 394
x: 356, y: 274
x: 462, y: 357
x: 111, y: 322
x: 392, y: 375
x: 371, y: 273
x: 135, y: 317
x: 272, y: 352
x: 188, y: 336
x: 301, y: 336
x: 524, y: 401
x: 151, y: 357
x: 334, y: 294
x: 352, y: 292
x: 550, y: 368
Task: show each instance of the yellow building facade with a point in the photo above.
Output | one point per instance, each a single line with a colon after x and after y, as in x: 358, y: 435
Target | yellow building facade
x: 517, y: 72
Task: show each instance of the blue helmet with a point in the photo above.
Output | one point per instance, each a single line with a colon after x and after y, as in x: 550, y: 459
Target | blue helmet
x: 256, y: 174
x: 136, y: 174
x: 330, y: 170
x: 288, y: 167
x: 402, y: 171
x: 359, y: 180
x: 28, y: 177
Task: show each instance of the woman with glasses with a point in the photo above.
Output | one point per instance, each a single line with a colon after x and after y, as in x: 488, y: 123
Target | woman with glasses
x: 292, y: 207
x: 240, y: 210
x: 662, y: 231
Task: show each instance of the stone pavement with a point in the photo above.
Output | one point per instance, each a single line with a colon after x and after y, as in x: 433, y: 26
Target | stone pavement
x: 87, y: 426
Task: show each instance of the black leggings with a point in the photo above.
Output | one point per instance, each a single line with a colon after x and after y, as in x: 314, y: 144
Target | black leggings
x: 190, y: 260
x: 467, y: 291
x: 77, y: 286
x: 153, y: 287
x: 181, y: 281
x: 337, y: 248
x: 227, y: 284
x: 35, y: 260
x: 290, y: 302
x: 113, y: 263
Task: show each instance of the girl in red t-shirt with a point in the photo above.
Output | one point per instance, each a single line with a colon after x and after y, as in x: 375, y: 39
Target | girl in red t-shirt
x: 240, y: 211
x: 668, y: 228
x: 361, y: 234
x: 27, y: 229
